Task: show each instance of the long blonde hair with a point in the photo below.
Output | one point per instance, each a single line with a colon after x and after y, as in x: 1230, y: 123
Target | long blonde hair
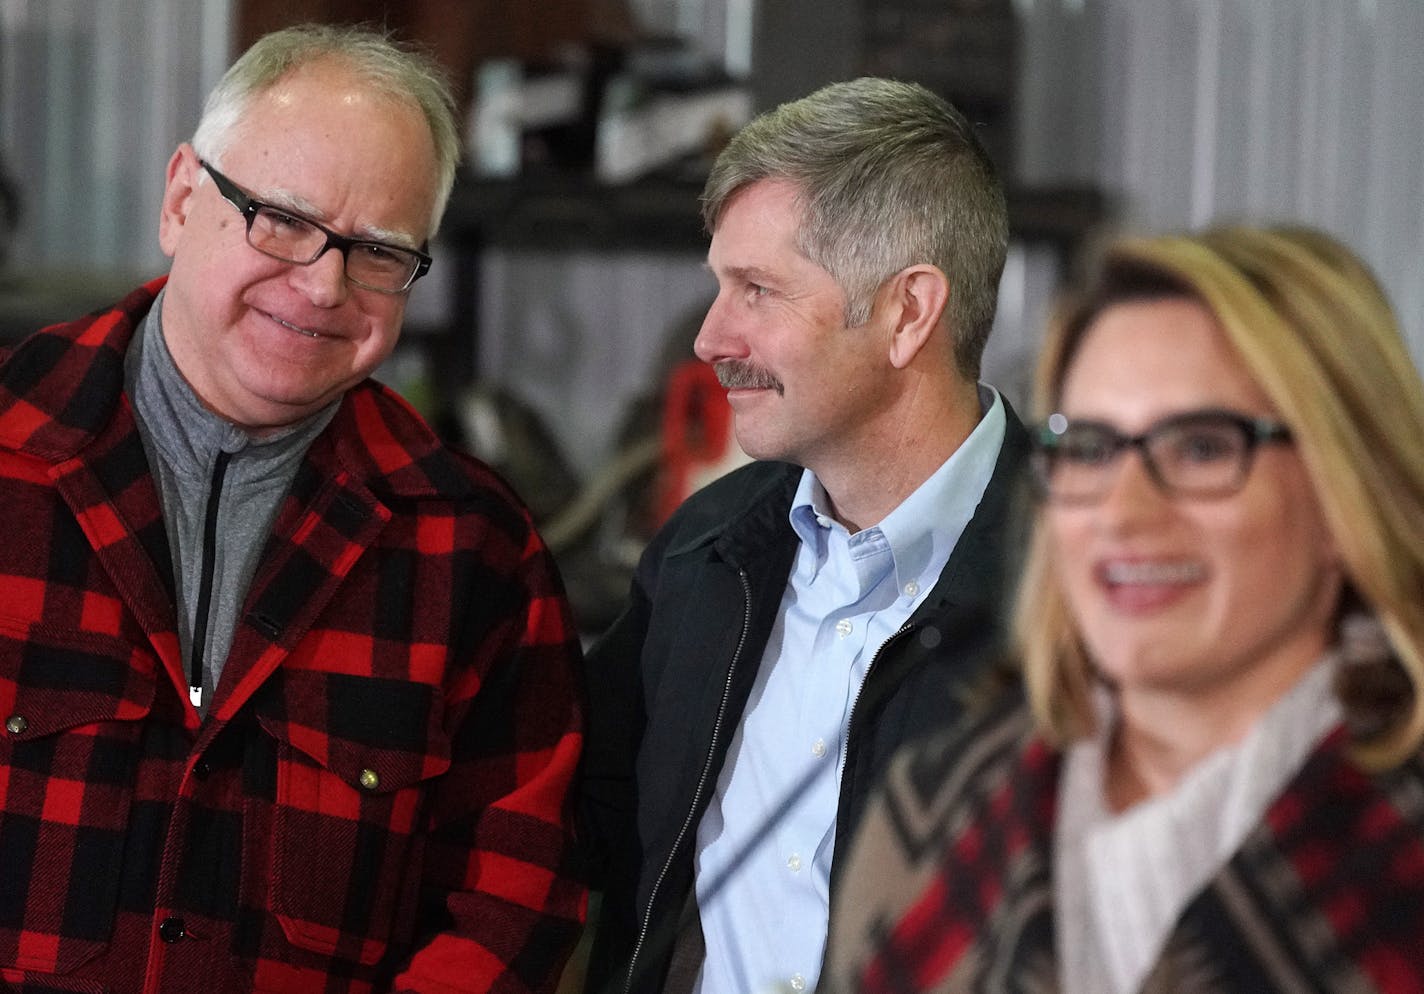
x: 1313, y: 328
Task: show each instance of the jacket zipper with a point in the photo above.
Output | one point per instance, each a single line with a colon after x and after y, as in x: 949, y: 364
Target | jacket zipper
x: 205, y: 583
x: 701, y: 781
x: 873, y: 660
x: 850, y: 724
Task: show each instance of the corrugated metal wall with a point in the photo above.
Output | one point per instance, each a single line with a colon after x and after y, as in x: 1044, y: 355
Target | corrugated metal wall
x: 94, y: 96
x: 1200, y: 110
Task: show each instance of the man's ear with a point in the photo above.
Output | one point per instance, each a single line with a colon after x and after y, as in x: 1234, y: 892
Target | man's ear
x: 917, y: 296
x: 178, y: 194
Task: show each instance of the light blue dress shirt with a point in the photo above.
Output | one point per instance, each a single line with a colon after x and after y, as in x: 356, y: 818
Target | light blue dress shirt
x: 764, y: 845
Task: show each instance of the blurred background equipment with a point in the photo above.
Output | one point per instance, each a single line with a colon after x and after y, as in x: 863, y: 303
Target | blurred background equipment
x: 698, y: 443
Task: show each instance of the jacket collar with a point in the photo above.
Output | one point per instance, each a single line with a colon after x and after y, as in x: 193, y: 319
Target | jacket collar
x: 59, y: 387
x: 380, y: 439
x: 987, y: 552
x: 758, y: 525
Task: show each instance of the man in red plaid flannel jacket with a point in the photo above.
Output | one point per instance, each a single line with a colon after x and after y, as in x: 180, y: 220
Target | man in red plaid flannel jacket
x: 354, y: 776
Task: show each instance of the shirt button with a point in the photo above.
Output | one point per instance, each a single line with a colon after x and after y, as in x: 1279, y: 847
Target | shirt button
x: 818, y: 748
x: 370, y: 779
x: 16, y: 724
x: 171, y: 930
x: 798, y: 982
x: 794, y: 863
x: 201, y: 770
x: 911, y: 589
x: 844, y: 627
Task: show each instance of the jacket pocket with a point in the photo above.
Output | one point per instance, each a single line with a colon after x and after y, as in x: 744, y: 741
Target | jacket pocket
x: 355, y: 761
x: 71, y: 710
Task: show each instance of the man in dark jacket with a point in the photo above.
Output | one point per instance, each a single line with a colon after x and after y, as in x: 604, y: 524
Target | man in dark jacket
x: 288, y: 687
x: 799, y: 619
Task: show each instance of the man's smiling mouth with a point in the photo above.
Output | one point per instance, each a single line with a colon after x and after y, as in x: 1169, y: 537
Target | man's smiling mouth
x: 298, y: 329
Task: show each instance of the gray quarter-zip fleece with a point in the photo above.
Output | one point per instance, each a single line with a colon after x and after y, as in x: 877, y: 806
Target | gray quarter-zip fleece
x: 189, y: 449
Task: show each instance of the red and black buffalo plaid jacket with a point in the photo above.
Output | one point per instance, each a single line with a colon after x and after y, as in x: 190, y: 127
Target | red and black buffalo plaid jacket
x: 377, y: 797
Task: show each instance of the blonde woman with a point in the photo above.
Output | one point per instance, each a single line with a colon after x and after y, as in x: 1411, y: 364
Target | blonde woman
x: 1213, y: 781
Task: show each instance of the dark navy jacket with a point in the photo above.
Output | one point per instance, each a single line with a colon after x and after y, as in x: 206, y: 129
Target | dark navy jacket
x: 669, y: 680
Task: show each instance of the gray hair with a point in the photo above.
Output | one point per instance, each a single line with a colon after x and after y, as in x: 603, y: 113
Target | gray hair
x: 890, y: 175
x: 387, y: 68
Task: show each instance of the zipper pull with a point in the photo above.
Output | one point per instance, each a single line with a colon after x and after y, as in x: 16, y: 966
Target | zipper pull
x: 195, y: 694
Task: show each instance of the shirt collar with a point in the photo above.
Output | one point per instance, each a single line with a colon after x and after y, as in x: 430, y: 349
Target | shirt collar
x: 924, y: 529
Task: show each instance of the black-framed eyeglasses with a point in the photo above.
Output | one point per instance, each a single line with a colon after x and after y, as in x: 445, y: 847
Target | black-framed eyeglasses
x: 282, y: 234
x: 1206, y: 453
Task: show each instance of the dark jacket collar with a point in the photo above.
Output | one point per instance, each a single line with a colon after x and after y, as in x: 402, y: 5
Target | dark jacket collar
x: 764, y: 521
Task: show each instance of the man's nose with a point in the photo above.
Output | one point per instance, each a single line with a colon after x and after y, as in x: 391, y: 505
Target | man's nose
x: 715, y: 339
x: 323, y: 281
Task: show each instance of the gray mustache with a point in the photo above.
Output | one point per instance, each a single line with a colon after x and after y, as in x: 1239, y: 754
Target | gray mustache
x: 736, y: 375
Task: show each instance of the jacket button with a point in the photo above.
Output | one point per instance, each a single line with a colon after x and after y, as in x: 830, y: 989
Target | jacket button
x: 171, y: 930
x: 16, y: 724
x: 370, y: 779
x: 201, y: 769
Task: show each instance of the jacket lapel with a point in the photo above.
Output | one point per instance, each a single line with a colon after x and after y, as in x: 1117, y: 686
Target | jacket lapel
x: 326, y: 523
x: 1322, y: 895
x: 977, y: 568
x: 374, y: 454
x: 62, y: 403
x: 111, y: 494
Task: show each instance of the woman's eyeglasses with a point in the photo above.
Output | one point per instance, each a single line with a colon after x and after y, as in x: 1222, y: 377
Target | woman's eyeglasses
x: 1205, y: 453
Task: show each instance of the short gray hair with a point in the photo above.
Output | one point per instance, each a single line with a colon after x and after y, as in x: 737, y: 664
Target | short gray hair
x: 890, y: 175
x: 388, y: 68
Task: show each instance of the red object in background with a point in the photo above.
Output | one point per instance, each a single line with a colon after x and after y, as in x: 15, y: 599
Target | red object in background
x: 697, y: 441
